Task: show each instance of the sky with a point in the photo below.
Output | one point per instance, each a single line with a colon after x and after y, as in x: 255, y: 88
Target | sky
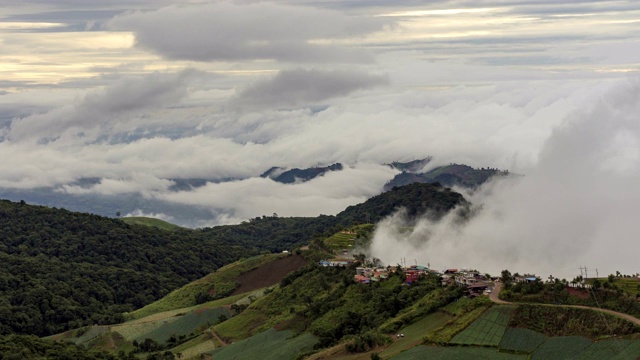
x: 136, y: 93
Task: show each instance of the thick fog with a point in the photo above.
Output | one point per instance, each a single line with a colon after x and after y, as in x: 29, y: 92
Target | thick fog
x: 578, y: 206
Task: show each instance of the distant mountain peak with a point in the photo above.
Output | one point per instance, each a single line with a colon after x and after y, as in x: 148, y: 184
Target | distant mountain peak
x: 412, y: 166
x: 297, y: 175
x: 448, y: 175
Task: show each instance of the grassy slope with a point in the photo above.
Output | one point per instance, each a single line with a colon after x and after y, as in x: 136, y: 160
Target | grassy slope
x: 152, y: 222
x: 270, y: 344
x: 224, y: 278
x: 347, y: 239
x: 630, y: 285
x: 414, y: 333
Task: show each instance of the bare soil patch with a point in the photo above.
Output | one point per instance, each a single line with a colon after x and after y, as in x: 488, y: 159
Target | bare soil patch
x: 268, y: 274
x: 583, y: 294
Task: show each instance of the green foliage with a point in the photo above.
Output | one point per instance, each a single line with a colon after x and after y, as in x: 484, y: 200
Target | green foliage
x: 418, y: 199
x: 612, y: 298
x: 366, y: 341
x: 443, y: 335
x: 152, y: 222
x: 488, y: 329
x: 31, y: 347
x: 464, y: 305
x: 425, y: 305
x: 63, y: 270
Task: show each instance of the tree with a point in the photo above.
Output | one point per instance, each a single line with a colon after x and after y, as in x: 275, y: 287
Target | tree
x: 596, y: 284
x: 506, y: 278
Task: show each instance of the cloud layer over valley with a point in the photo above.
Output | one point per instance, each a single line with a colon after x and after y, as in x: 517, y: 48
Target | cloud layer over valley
x: 134, y: 100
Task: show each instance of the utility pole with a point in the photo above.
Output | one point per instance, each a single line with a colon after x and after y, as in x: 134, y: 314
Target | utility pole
x: 586, y: 274
x: 597, y: 276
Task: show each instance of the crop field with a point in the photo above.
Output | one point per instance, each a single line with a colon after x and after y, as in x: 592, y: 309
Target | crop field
x: 632, y: 351
x: 488, y: 329
x: 605, y: 349
x: 414, y: 333
x: 521, y: 340
x: 186, y: 324
x: 631, y: 285
x: 240, y: 327
x: 456, y: 353
x: 270, y: 344
x: 202, y: 344
x: 223, y: 279
x: 340, y: 240
x: 139, y: 329
x: 562, y: 347
x: 90, y: 334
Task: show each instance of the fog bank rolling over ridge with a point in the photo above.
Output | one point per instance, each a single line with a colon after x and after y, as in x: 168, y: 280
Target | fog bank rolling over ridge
x: 577, y: 206
x: 142, y: 95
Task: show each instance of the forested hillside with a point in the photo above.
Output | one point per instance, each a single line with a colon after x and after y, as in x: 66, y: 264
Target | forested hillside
x: 62, y: 270
x: 449, y: 175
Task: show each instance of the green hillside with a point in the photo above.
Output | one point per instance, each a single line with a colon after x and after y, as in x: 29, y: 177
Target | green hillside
x: 152, y: 222
x: 449, y: 175
x: 217, y: 285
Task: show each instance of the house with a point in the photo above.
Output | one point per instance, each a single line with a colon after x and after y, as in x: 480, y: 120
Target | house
x: 324, y: 263
x: 362, y: 279
x: 412, y: 276
x: 478, y: 288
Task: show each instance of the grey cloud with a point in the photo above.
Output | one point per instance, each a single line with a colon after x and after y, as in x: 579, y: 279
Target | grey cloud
x: 103, y: 108
x: 230, y: 31
x: 304, y: 87
x: 577, y: 206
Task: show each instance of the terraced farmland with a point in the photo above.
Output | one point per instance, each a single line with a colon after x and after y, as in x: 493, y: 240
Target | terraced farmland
x: 488, y: 329
x: 340, y: 240
x: 414, y: 333
x: 605, y: 349
x: 521, y: 340
x: 562, y: 347
x: 186, y: 324
x: 456, y: 353
x: 267, y: 345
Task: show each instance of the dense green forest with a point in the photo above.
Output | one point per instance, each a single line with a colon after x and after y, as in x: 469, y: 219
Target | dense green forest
x: 21, y: 347
x: 63, y: 270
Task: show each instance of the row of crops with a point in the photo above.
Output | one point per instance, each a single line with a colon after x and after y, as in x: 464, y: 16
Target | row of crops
x: 267, y: 345
x: 490, y: 337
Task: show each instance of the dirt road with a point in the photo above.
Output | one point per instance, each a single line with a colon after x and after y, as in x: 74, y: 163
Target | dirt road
x: 498, y: 286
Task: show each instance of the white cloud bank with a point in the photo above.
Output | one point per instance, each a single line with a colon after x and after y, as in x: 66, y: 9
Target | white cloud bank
x: 576, y: 207
x: 231, y: 31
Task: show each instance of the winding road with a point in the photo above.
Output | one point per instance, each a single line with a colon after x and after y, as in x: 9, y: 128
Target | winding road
x: 498, y: 287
